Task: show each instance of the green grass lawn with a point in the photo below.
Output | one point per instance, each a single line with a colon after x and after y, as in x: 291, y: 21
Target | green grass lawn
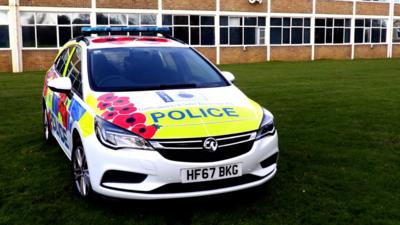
x: 339, y: 127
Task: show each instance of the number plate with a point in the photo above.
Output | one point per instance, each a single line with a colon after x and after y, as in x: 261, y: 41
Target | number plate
x: 211, y: 173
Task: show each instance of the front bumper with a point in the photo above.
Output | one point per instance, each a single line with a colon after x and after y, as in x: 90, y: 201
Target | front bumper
x: 163, y: 179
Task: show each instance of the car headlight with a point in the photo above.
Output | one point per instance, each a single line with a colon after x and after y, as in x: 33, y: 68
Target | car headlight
x: 115, y: 137
x: 267, y: 126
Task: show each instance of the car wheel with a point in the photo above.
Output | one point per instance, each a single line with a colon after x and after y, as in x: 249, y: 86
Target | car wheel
x: 47, y: 135
x: 80, y: 171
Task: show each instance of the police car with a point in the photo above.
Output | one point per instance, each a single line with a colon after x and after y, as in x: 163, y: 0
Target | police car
x: 149, y: 117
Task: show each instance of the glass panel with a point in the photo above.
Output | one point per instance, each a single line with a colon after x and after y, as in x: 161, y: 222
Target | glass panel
x: 339, y: 22
x: 235, y: 35
x: 348, y: 23
x: 223, y: 20
x: 297, y: 22
x: 367, y: 35
x: 77, y: 31
x: 182, y: 33
x: 118, y: 19
x: 207, y: 36
x: 249, y: 36
x: 262, y: 22
x: 338, y: 36
x: 250, y: 21
x: 307, y: 22
x: 194, y: 36
x: 207, y: 20
x: 319, y: 35
x: 376, y: 35
x: 4, y: 39
x: 383, y: 36
x: 276, y: 21
x: 286, y: 36
x: 320, y: 22
x: 102, y: 19
x: 3, y: 17
x: 297, y: 35
x: 46, y: 36
x: 223, y: 36
x: 28, y: 37
x: 64, y: 35
x: 376, y: 23
x: 133, y: 19
x: 64, y: 19
x: 80, y: 18
x: 328, y: 38
x: 329, y: 22
x: 166, y: 20
x: 27, y: 18
x: 359, y: 23
x: 307, y: 36
x: 347, y: 36
x: 194, y: 20
x: 148, y: 19
x: 181, y: 20
x: 367, y: 22
x: 276, y: 35
x: 286, y: 21
x: 46, y: 18
x: 235, y: 21
x: 359, y: 35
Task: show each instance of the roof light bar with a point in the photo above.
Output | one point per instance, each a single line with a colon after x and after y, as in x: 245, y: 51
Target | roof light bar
x: 97, y: 30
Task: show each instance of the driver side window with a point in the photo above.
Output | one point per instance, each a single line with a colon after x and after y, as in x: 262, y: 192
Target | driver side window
x: 62, y: 60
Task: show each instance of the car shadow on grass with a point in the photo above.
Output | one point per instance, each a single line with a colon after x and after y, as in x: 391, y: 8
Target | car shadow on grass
x: 181, y: 211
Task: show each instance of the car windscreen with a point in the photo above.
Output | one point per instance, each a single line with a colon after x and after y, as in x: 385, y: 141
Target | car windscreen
x: 150, y: 68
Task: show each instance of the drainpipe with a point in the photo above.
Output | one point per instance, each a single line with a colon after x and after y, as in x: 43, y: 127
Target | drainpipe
x: 15, y: 36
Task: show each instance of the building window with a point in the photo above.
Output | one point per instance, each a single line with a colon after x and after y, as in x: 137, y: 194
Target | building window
x: 118, y: 19
x: 242, y: 30
x: 396, y: 31
x: 332, y: 31
x: 290, y: 31
x: 51, y: 30
x: 194, y: 30
x: 4, y: 35
x: 370, y: 31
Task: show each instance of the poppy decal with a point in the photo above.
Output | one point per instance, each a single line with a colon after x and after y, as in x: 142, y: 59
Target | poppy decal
x: 123, y: 113
x: 62, y: 109
x: 127, y: 121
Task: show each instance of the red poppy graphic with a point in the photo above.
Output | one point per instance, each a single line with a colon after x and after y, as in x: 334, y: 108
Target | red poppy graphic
x: 109, y: 115
x: 62, y: 109
x: 110, y: 97
x: 103, y: 105
x: 121, y: 101
x: 146, y: 132
x: 127, y: 109
x: 127, y: 121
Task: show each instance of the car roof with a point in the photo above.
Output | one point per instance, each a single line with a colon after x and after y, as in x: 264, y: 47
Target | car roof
x: 117, y: 41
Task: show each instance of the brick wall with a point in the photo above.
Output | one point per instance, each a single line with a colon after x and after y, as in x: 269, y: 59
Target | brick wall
x: 209, y: 52
x: 396, y: 51
x: 372, y: 8
x: 190, y: 5
x: 3, y: 2
x: 243, y: 5
x: 334, y: 7
x: 290, y: 53
x: 291, y: 6
x: 5, y: 61
x: 333, y: 52
x: 366, y: 52
x: 253, y: 54
x: 397, y: 9
x: 127, y: 4
x: 36, y: 60
x: 57, y: 3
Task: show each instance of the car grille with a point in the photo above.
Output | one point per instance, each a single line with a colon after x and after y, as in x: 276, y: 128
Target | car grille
x: 191, y: 150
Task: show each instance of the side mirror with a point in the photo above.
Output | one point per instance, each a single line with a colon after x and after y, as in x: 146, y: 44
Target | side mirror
x: 60, y: 84
x: 228, y: 75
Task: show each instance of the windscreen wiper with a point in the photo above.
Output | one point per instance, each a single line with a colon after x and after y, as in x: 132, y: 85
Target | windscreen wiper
x: 175, y: 86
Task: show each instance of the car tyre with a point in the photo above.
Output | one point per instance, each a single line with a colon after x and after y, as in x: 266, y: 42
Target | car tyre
x: 47, y: 135
x: 80, y: 172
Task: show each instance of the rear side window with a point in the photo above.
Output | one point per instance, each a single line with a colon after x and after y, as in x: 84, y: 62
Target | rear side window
x: 74, y: 71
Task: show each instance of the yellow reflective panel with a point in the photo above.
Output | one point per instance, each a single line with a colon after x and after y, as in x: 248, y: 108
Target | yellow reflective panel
x: 86, y: 124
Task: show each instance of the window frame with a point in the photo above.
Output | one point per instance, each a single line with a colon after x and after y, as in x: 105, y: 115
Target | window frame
x: 6, y: 24
x: 290, y: 27
x: 258, y: 30
x: 370, y: 28
x: 333, y: 27
x: 57, y: 26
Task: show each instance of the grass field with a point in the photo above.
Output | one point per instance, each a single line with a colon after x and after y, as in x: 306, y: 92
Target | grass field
x: 339, y: 127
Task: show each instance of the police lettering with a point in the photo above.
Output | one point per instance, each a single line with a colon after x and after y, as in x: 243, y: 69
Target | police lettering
x: 194, y: 113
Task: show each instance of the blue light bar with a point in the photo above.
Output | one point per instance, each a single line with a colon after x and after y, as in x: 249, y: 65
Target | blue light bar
x: 97, y: 30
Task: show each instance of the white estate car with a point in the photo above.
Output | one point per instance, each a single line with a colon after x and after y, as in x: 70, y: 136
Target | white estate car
x: 148, y: 117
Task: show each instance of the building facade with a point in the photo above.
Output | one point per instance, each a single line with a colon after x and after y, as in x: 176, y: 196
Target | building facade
x: 226, y: 31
